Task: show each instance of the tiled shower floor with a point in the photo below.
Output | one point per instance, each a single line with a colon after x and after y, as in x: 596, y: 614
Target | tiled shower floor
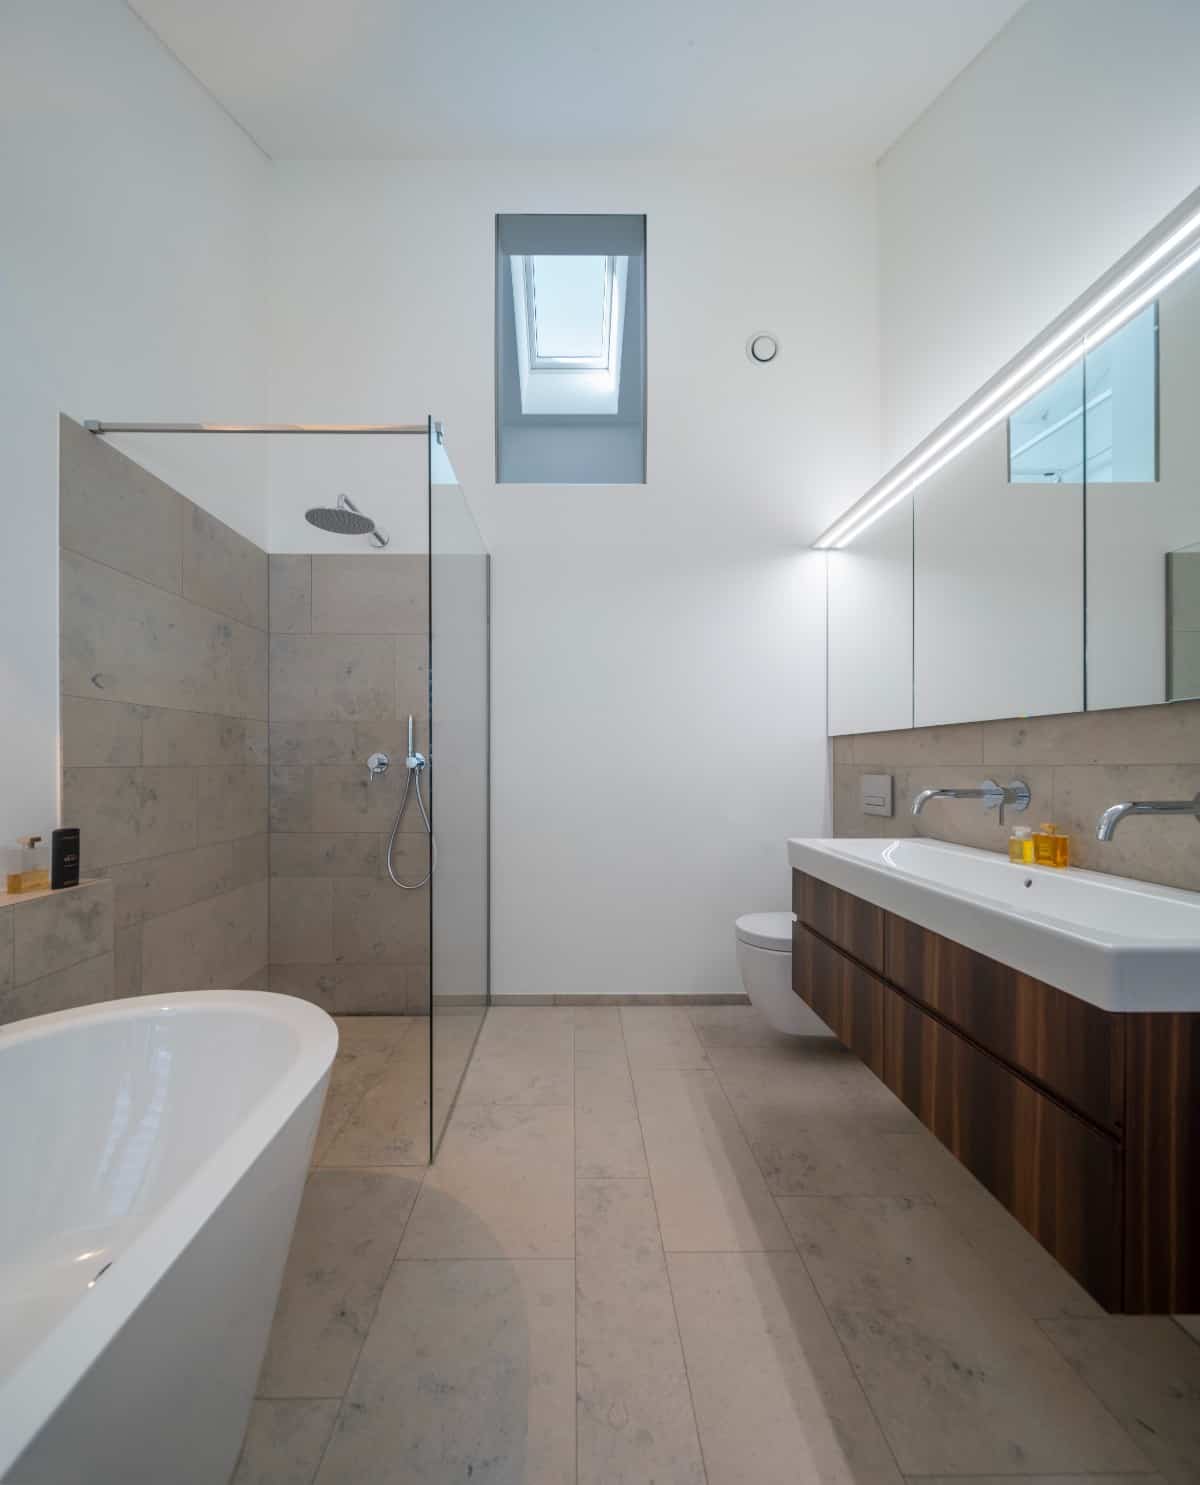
x: 661, y: 1246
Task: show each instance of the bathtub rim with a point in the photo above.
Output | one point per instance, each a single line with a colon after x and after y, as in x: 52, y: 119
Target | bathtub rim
x: 43, y: 1380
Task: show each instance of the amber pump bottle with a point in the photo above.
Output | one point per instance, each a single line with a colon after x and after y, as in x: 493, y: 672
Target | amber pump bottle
x: 32, y: 876
x: 1050, y: 846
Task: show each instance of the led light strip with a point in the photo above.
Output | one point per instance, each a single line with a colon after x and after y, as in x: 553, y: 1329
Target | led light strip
x: 1023, y: 379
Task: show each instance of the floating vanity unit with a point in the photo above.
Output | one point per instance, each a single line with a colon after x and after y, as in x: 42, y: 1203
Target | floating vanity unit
x: 1044, y: 1025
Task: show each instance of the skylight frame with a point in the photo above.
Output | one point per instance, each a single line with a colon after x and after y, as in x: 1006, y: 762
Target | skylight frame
x: 601, y: 362
x: 582, y: 386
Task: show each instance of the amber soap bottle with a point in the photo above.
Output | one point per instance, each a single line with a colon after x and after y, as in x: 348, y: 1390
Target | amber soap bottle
x: 32, y: 876
x: 1050, y: 846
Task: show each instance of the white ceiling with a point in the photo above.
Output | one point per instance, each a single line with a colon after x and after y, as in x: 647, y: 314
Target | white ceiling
x: 829, y: 83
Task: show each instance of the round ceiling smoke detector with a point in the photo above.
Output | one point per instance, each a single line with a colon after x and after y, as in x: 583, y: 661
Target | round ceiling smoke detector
x: 762, y: 348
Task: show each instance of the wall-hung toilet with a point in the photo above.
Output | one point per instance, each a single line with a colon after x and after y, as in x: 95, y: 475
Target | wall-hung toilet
x: 764, y: 955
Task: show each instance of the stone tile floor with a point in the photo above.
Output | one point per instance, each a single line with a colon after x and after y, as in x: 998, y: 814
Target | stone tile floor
x: 663, y: 1246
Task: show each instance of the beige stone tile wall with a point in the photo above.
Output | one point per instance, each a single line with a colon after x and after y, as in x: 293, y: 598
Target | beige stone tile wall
x: 349, y: 655
x: 239, y: 853
x: 164, y: 643
x: 56, y: 950
x: 1075, y: 766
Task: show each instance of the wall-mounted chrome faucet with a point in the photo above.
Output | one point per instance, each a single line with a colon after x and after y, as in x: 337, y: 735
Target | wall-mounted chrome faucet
x: 1115, y: 813
x: 1014, y: 795
x: 379, y: 763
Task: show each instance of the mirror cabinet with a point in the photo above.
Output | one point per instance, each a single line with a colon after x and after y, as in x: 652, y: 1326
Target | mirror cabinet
x: 1053, y: 564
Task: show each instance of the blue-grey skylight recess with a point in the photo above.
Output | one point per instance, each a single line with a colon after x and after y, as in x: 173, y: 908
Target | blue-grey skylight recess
x: 570, y: 349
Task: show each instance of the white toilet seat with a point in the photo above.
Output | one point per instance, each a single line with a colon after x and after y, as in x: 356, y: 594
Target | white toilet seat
x: 766, y: 930
x: 764, y: 956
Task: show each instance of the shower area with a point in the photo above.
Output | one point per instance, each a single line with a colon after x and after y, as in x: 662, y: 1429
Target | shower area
x: 281, y: 757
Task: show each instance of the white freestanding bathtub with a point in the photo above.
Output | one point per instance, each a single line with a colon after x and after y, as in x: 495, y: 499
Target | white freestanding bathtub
x: 152, y: 1157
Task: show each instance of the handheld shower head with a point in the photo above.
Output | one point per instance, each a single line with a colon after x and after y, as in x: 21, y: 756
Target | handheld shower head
x: 414, y: 760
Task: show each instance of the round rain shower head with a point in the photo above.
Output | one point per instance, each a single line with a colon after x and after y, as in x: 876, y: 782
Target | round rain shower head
x: 339, y: 522
x: 344, y: 519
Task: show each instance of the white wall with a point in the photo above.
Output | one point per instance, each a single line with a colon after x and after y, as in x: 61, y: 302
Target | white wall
x: 1064, y: 141
x: 129, y: 289
x: 659, y: 649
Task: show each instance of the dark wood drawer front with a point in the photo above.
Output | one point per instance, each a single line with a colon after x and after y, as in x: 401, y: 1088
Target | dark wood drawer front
x: 1072, y: 1048
x: 1162, y: 1165
x: 1057, y: 1175
x: 843, y: 994
x: 847, y: 921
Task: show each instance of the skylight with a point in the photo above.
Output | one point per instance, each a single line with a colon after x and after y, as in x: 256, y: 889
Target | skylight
x: 569, y: 299
x: 569, y: 317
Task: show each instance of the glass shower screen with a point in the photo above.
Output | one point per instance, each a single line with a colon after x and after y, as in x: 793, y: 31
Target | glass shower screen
x: 459, y: 705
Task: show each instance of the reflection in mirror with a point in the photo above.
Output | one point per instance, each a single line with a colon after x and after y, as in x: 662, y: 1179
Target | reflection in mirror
x: 870, y: 627
x: 1133, y: 520
x: 1183, y: 624
x: 1090, y: 487
x: 997, y: 592
x: 1045, y: 436
x: 1121, y: 394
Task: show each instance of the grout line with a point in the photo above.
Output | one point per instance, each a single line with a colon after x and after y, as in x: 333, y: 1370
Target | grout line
x: 384, y: 1165
x: 687, y: 1376
x: 1179, y: 1323
x: 1040, y: 1327
x: 853, y: 1372
x: 601, y: 1180
x: 182, y: 597
x: 727, y: 1252
x: 52, y: 974
x: 816, y: 1196
x: 505, y: 1258
x: 155, y: 706
x: 374, y: 1313
x: 347, y: 634
x: 359, y: 1103
x: 297, y: 1397
x: 161, y: 767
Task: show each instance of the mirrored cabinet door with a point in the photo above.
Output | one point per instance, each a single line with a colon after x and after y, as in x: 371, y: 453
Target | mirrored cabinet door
x: 1055, y: 560
x: 1183, y: 624
x: 998, y: 571
x: 870, y: 627
x: 1143, y: 504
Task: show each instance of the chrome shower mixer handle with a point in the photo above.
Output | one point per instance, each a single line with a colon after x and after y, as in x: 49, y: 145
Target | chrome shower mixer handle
x: 377, y: 765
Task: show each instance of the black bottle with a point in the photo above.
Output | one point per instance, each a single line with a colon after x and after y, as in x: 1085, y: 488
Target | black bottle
x: 64, y: 858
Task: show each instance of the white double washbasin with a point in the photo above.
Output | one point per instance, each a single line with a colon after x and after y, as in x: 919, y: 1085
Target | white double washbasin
x: 1120, y: 944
